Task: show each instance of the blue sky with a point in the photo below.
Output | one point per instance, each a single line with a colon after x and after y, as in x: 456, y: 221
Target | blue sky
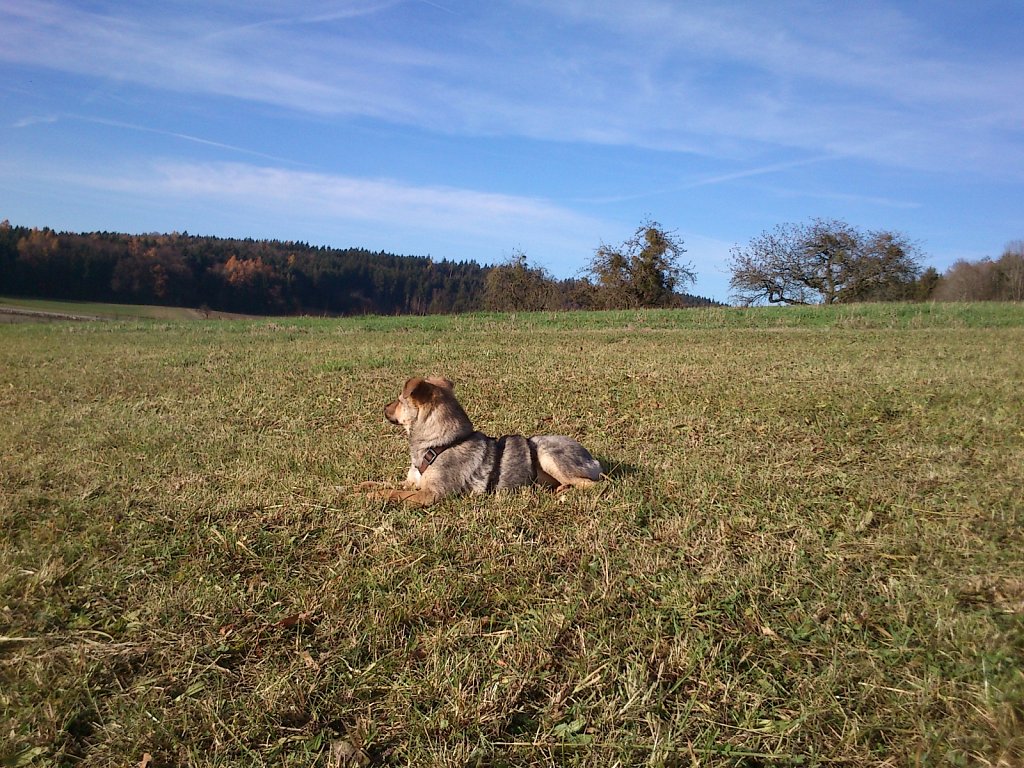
x: 470, y: 130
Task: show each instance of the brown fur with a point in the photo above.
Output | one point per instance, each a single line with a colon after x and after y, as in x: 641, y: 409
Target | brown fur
x: 467, y: 461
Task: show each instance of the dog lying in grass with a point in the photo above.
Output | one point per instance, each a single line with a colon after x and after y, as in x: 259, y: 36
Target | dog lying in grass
x: 447, y: 456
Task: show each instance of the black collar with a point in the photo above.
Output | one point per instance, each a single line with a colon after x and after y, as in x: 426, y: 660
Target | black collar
x: 431, y: 454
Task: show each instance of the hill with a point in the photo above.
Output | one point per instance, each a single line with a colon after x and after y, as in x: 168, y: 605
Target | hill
x: 263, y: 277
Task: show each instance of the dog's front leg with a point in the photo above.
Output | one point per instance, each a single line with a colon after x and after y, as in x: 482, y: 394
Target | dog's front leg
x: 412, y: 479
x: 421, y: 498
x: 411, y: 482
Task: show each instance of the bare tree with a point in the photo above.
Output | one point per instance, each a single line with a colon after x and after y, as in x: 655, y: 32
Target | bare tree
x: 1011, y: 272
x: 885, y: 268
x: 985, y: 279
x: 968, y: 281
x: 824, y: 261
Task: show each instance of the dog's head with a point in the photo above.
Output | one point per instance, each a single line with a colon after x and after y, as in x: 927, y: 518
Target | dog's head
x: 419, y: 397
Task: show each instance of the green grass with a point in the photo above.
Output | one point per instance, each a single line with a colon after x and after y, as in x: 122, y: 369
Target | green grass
x: 893, y: 315
x: 809, y: 549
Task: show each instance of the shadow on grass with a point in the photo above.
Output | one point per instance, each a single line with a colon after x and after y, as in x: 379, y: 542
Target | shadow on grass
x: 616, y: 470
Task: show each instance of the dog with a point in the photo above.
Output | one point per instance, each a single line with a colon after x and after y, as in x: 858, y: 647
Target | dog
x: 447, y: 456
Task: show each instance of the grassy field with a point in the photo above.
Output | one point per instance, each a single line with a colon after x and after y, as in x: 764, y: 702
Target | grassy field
x: 809, y: 550
x: 21, y: 310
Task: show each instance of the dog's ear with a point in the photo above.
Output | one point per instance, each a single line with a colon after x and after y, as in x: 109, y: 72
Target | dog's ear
x: 419, y: 390
x: 441, y: 381
x: 411, y: 385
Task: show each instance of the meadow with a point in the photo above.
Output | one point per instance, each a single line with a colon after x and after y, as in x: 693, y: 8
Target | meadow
x: 809, y: 548
x: 13, y: 309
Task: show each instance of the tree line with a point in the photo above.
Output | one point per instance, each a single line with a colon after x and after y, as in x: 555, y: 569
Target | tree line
x: 273, y: 277
x: 987, y: 279
x: 824, y: 261
x: 645, y: 271
x: 247, y: 276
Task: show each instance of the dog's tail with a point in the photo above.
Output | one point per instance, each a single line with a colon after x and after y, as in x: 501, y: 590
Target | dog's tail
x: 564, y: 461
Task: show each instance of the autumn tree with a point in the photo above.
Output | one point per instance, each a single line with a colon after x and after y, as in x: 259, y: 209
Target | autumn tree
x: 251, y: 283
x: 37, y: 248
x: 825, y: 261
x: 645, y: 271
x: 153, y: 269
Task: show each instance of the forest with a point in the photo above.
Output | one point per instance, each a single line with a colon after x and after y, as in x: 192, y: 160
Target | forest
x: 266, y: 277
x: 792, y: 264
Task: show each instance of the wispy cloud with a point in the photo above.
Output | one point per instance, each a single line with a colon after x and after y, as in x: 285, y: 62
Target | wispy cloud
x: 177, y: 135
x: 27, y: 122
x: 761, y: 170
x: 875, y: 201
x: 381, y: 200
x: 713, y: 180
x: 497, y: 220
x: 286, y: 17
x: 728, y: 80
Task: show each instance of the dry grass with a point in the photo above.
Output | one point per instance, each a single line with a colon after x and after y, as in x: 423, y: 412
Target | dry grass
x: 13, y: 310
x: 809, y: 550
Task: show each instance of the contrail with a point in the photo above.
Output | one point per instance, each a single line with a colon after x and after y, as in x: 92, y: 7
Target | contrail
x: 182, y: 136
